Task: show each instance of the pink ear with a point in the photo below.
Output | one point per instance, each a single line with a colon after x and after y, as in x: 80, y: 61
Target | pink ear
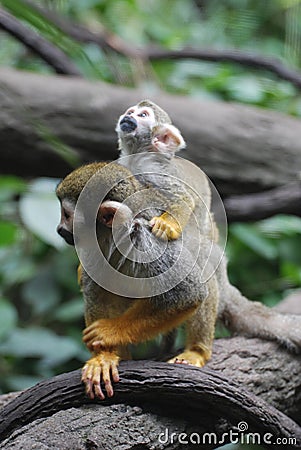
x: 168, y: 139
x: 163, y: 141
x: 106, y: 213
x: 165, y: 136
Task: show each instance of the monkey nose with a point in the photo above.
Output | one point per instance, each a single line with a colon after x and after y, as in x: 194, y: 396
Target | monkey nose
x: 128, y: 124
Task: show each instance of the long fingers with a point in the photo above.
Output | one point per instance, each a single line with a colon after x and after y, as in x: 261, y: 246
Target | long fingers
x: 101, y: 368
x: 91, y: 376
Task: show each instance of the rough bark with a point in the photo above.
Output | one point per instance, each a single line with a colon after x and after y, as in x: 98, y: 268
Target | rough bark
x: 243, y: 149
x: 246, y: 381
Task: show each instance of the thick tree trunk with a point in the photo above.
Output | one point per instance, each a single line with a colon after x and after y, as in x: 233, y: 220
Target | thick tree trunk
x: 243, y: 149
x: 239, y: 389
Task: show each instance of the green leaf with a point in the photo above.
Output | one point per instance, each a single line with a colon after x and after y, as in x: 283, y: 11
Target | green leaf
x: 8, y: 233
x: 246, y: 89
x: 37, y: 342
x: 281, y: 225
x: 70, y: 311
x: 10, y: 186
x: 8, y: 317
x: 291, y: 272
x: 42, y: 293
x: 290, y: 249
x: 40, y: 211
x: 254, y: 240
x: 15, y: 267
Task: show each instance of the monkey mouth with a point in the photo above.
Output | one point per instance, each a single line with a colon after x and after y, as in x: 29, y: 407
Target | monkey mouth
x: 128, y: 124
x: 66, y: 235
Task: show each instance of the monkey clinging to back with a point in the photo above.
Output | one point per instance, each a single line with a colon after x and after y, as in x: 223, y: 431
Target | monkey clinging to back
x: 148, y: 143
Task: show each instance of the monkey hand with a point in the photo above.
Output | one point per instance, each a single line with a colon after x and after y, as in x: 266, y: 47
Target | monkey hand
x: 100, y: 368
x: 102, y: 333
x: 191, y: 357
x: 166, y: 227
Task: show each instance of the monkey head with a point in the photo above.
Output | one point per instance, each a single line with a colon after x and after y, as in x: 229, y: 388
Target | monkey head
x: 112, y: 178
x: 65, y: 227
x: 134, y: 127
x: 68, y: 191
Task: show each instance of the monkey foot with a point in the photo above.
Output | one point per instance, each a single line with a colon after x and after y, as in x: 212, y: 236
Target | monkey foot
x: 165, y: 228
x: 100, y: 368
x: 192, y: 358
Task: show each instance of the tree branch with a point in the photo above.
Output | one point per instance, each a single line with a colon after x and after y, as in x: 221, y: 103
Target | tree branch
x: 234, y: 56
x: 242, y: 149
x: 204, y: 395
x: 282, y: 200
x: 106, y: 40
x: 53, y: 56
x: 197, y: 390
x: 291, y: 304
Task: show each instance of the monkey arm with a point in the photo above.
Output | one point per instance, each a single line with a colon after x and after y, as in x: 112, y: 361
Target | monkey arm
x: 141, y: 322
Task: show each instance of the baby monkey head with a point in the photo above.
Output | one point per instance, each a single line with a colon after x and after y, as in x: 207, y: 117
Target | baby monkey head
x: 141, y: 118
x: 147, y: 127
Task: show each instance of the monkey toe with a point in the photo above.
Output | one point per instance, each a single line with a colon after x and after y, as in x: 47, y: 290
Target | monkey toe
x: 191, y: 357
x: 91, y: 377
x: 100, y: 368
x: 181, y: 361
x: 173, y: 234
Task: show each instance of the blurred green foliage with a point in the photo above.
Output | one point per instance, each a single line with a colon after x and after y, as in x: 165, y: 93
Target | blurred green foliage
x: 41, y: 310
x: 270, y: 28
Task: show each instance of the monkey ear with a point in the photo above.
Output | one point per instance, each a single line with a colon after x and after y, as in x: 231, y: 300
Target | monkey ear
x: 110, y: 210
x: 167, y: 139
x: 106, y: 213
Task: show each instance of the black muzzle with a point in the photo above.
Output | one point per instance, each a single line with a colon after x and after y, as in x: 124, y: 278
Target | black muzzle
x: 128, y: 124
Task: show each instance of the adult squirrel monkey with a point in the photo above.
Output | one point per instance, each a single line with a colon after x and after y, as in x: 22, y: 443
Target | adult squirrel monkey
x: 114, y: 321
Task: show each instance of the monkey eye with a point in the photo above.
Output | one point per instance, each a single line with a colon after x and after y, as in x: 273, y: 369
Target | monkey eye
x: 66, y: 214
x: 144, y: 114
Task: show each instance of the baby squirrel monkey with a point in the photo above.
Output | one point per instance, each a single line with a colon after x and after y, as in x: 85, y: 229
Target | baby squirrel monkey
x: 148, y: 142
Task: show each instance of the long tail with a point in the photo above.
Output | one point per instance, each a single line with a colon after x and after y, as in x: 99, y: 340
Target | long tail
x: 253, y: 319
